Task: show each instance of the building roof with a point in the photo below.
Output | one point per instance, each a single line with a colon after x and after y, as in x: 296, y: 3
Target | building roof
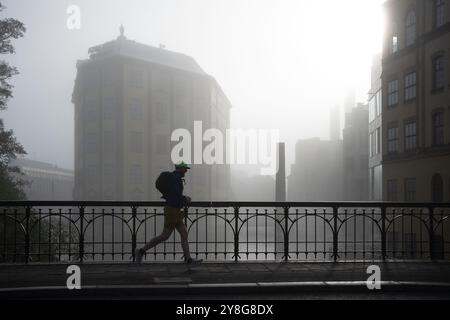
x: 38, y: 165
x: 132, y: 49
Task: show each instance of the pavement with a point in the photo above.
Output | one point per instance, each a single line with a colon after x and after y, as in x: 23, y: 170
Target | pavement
x: 228, y: 280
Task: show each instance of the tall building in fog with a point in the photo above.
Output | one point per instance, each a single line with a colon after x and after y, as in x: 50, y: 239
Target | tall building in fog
x: 128, y: 98
x: 316, y: 174
x: 356, y: 154
x: 416, y: 101
x: 375, y: 136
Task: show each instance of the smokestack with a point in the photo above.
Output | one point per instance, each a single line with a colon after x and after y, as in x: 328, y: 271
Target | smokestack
x: 280, y: 182
x: 280, y: 196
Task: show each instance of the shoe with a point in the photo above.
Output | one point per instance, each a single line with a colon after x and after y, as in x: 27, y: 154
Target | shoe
x: 138, y: 255
x: 193, y: 261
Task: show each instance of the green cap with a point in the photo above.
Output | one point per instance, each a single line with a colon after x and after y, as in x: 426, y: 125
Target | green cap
x: 181, y: 164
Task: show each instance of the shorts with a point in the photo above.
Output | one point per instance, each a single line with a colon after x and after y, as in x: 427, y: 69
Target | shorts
x: 172, y: 217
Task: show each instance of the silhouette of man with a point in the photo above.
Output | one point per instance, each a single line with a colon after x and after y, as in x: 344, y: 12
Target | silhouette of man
x: 173, y: 216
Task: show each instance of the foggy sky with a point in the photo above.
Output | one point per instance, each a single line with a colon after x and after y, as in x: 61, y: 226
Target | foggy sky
x: 282, y: 64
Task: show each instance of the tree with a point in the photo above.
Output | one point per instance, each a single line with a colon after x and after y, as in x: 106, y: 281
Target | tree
x: 10, y: 183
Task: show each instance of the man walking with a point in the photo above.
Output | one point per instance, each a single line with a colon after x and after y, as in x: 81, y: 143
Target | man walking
x: 173, y: 215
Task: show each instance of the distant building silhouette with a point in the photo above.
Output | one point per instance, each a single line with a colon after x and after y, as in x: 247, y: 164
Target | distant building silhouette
x: 316, y: 174
x: 356, y: 154
x: 128, y: 99
x: 45, y: 181
x: 335, y: 123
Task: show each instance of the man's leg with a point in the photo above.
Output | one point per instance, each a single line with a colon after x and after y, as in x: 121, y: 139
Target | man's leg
x: 185, y: 244
x: 139, y: 253
x: 184, y: 240
x: 167, y: 231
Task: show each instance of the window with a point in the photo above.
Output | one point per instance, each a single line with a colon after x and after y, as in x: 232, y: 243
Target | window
x: 136, y: 109
x: 161, y: 112
x: 180, y: 85
x: 438, y: 128
x: 410, y: 86
x: 410, y: 136
x: 410, y: 28
x: 91, y: 110
x: 135, y: 141
x: 91, y: 143
x: 438, y: 72
x: 375, y: 106
x: 372, y: 144
x: 108, y: 141
x: 439, y: 12
x: 378, y: 141
x: 392, y: 139
x: 378, y: 103
x: 410, y: 189
x: 161, y: 82
x: 136, y: 77
x: 109, y: 108
x: 394, y: 44
x: 392, y: 93
x: 136, y: 174
x: 392, y: 190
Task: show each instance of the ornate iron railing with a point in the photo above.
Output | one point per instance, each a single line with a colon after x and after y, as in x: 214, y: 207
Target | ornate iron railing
x: 64, y: 231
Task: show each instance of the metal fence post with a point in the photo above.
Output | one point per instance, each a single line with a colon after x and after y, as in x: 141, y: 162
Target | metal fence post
x: 133, y: 236
x: 383, y: 233
x: 27, y: 234
x: 81, y: 239
x: 431, y: 233
x: 236, y: 233
x: 286, y: 234
x: 335, y: 234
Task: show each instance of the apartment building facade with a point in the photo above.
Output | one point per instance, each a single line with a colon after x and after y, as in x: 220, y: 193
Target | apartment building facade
x: 416, y: 101
x: 129, y: 98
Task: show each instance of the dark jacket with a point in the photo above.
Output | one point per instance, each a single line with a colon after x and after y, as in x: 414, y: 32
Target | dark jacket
x: 175, y: 198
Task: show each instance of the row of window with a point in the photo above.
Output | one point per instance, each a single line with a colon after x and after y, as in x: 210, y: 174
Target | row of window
x: 410, y: 134
x: 410, y: 83
x: 135, y: 174
x: 136, y: 143
x: 375, y: 142
x: 411, y: 24
x: 161, y: 82
x: 136, y: 111
x: 410, y: 89
x: 410, y: 189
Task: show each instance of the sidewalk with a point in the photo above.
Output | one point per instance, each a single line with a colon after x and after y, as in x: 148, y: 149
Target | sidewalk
x: 159, y: 279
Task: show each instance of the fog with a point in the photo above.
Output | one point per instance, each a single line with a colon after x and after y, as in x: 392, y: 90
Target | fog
x: 282, y: 64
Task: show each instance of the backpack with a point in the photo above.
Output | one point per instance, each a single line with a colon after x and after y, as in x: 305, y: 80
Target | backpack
x: 163, y: 183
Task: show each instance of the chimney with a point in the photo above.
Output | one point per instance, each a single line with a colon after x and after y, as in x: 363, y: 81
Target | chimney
x: 280, y: 182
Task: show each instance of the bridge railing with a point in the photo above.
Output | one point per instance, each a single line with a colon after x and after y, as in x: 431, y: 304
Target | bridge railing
x: 82, y: 231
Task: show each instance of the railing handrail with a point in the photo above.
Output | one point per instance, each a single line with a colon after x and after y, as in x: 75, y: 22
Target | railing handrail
x: 330, y: 223
x: 221, y: 204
